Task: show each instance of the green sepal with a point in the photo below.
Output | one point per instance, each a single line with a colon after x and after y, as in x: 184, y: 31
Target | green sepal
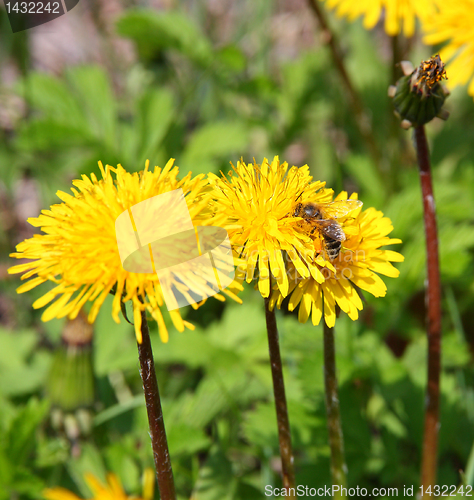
x: 415, y: 106
x: 124, y: 312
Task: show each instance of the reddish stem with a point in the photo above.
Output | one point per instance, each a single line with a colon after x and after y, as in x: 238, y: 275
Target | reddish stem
x: 433, y: 299
x: 159, y: 442
x: 284, y: 435
x: 336, y: 440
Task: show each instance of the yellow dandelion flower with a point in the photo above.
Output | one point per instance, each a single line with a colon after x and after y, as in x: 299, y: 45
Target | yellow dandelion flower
x: 452, y: 23
x: 397, y: 13
x: 78, y: 250
x: 254, y: 206
x: 358, y: 264
x: 113, y: 490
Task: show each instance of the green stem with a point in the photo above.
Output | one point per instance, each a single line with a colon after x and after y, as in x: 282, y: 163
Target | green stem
x: 433, y: 299
x: 159, y: 442
x: 336, y: 440
x: 284, y: 435
x: 361, y: 117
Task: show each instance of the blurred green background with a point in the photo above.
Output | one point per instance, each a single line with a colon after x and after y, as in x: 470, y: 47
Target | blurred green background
x: 206, y: 82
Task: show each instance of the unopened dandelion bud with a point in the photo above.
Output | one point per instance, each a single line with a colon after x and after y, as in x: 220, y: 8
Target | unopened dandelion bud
x: 70, y: 384
x: 419, y: 96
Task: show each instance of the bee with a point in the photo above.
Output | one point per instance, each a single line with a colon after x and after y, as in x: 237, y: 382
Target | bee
x: 322, y: 217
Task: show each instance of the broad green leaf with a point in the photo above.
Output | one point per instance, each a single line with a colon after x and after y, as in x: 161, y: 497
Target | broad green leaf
x: 191, y: 348
x: 232, y: 57
x: 54, y: 99
x: 92, y: 89
x: 25, y: 482
x: 89, y: 461
x: 15, y: 347
x: 214, y: 140
x: 154, y: 115
x: 186, y: 440
x: 216, y: 479
x: 115, y: 345
x: 22, y: 369
x: 260, y: 426
x: 121, y: 460
x: 155, y: 31
x: 48, y: 133
x: 367, y: 176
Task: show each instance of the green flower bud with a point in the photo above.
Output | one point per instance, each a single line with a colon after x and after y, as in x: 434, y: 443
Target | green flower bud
x: 418, y: 96
x: 70, y: 384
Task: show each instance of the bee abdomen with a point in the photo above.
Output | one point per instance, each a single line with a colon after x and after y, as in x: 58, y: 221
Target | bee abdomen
x: 333, y: 247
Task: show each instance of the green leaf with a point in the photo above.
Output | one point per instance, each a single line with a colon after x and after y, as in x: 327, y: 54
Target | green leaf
x: 25, y: 482
x: 216, y: 394
x: 155, y: 114
x: 365, y: 61
x: 190, y: 348
x: 118, y: 409
x: 248, y: 491
x: 114, y: 344
x: 414, y: 359
x: 216, y: 479
x: 17, y: 443
x: 92, y: 89
x: 378, y: 411
x: 367, y: 176
x: 19, y: 373
x: 232, y: 57
x: 184, y: 439
x: 454, y: 243
x: 121, y: 461
x: 222, y: 139
x: 155, y: 31
x: 48, y: 133
x: 23, y: 428
x: 15, y: 347
x: 89, y: 461
x: 54, y: 99
x: 260, y: 426
x: 455, y: 351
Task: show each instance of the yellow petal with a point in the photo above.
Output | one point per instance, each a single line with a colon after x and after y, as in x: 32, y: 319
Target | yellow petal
x: 29, y: 285
x: 59, y: 494
x: 329, y: 307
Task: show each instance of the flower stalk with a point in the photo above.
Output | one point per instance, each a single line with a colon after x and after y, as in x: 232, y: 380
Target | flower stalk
x: 159, y: 442
x: 433, y: 299
x: 336, y: 440
x: 284, y: 435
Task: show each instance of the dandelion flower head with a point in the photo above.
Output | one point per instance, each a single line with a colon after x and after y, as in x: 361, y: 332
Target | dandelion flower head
x: 113, y: 490
x: 358, y: 264
x: 398, y: 14
x: 452, y: 23
x: 253, y: 204
x: 78, y: 248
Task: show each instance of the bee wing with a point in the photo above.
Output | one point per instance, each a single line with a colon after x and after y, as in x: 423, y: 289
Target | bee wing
x: 339, y: 208
x: 331, y: 229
